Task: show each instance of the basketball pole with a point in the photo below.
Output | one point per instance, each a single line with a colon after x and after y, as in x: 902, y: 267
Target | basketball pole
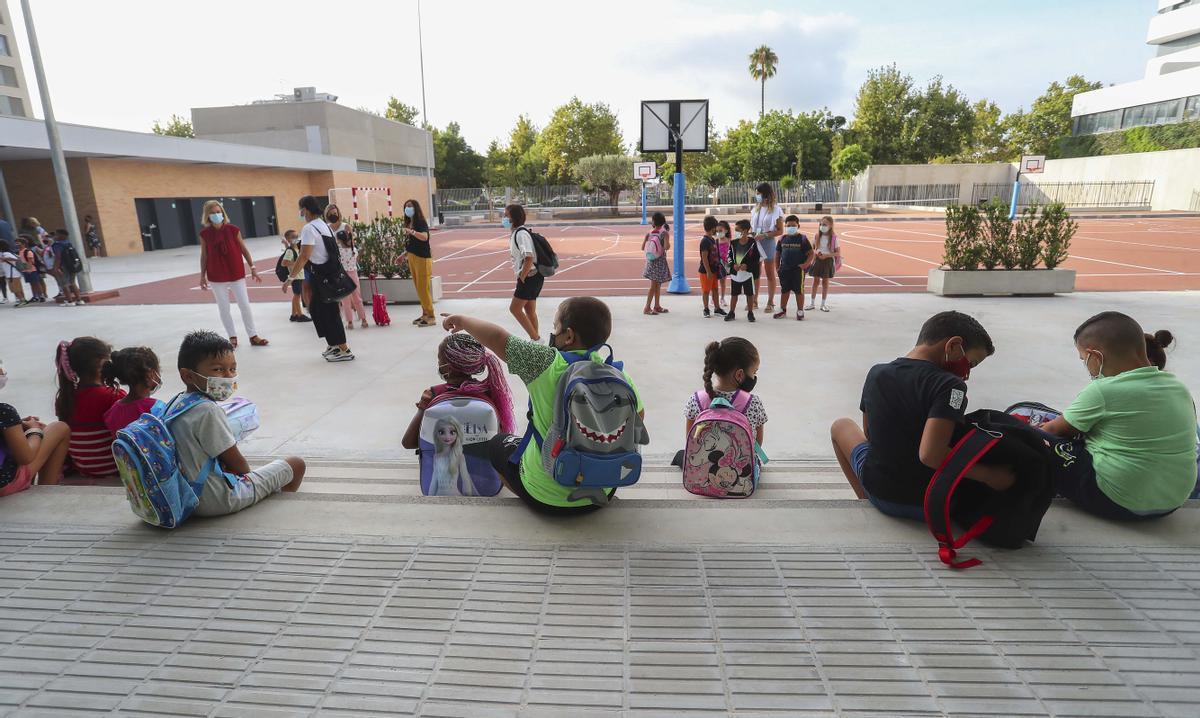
x: 679, y: 283
x: 643, y: 201
x: 1012, y: 209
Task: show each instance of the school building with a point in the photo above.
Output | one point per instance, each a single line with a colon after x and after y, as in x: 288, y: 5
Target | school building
x: 145, y: 191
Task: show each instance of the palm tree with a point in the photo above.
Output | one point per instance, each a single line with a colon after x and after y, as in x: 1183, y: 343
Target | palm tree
x: 763, y: 62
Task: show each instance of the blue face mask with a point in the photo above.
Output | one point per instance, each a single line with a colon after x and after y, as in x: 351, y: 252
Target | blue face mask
x: 409, y: 212
x: 792, y: 230
x: 758, y: 198
x: 506, y: 223
x: 216, y: 218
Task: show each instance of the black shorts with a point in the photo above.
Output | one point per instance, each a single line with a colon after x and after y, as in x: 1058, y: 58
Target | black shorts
x: 500, y: 451
x: 1074, y: 478
x: 530, y: 288
x: 297, y: 286
x: 746, y: 287
x: 791, y: 280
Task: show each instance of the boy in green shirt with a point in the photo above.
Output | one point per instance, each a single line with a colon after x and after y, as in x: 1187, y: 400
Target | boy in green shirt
x: 1136, y: 458
x: 581, y: 323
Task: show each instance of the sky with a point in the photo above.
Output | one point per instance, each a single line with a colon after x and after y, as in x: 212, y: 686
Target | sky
x: 126, y: 63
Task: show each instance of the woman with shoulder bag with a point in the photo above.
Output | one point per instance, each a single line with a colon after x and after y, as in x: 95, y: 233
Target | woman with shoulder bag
x: 318, y: 251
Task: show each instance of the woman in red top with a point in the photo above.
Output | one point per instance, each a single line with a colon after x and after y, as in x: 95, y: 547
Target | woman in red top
x: 83, y: 397
x: 223, y: 260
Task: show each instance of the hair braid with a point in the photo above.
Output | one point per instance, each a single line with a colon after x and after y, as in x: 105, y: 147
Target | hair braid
x: 710, y: 357
x: 465, y: 355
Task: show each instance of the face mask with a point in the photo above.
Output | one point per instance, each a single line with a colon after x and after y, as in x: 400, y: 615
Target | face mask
x: 218, y: 388
x: 216, y: 218
x: 748, y: 383
x: 961, y: 367
x: 409, y: 212
x: 157, y: 384
x: 334, y: 217
x: 824, y: 229
x: 719, y: 235
x: 3, y: 376
x: 792, y: 230
x: 1099, y: 372
x: 506, y: 223
x: 758, y: 198
x: 553, y: 337
x: 303, y: 218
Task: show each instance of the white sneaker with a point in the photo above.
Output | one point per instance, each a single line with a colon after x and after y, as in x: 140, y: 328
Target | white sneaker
x: 68, y: 304
x: 340, y: 355
x: 3, y: 300
x: 824, y: 308
x: 810, y: 307
x: 328, y: 351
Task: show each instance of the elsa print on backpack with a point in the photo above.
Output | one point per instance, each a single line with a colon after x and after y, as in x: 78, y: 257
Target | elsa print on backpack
x: 453, y: 446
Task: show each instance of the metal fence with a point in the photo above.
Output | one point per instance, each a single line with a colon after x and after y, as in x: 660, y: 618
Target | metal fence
x: 1195, y: 205
x: 483, y: 199
x: 1071, y: 194
x: 929, y: 195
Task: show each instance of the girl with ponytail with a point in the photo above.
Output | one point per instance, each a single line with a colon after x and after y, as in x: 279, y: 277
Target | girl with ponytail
x: 87, y: 388
x: 467, y: 368
x: 731, y: 365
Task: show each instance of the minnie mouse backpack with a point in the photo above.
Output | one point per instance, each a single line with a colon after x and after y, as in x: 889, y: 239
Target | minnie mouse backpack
x: 721, y: 458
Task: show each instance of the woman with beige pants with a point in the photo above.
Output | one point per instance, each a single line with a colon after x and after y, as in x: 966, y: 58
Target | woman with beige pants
x: 420, y: 260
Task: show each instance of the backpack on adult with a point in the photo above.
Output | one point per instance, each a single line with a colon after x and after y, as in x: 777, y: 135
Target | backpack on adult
x: 592, y: 442
x: 545, y: 260
x: 144, y: 452
x: 720, y: 457
x: 998, y: 518
x: 70, y: 259
x: 453, y: 446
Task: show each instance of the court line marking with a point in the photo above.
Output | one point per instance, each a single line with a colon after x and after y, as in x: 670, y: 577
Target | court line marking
x: 1124, y: 264
x: 898, y: 254
x: 498, y: 266
x: 1138, y: 244
x: 873, y: 276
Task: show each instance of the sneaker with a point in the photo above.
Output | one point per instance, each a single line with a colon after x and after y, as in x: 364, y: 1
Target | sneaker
x: 303, y: 318
x: 779, y: 315
x: 68, y: 304
x: 707, y: 313
x: 824, y: 308
x: 750, y: 316
x: 329, y: 350
x: 3, y: 300
x: 730, y: 316
x: 339, y: 355
x: 810, y: 307
x: 22, y: 303
x: 800, y: 315
x: 719, y: 312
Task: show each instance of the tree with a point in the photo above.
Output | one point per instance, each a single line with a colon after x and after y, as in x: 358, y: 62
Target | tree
x: 989, y: 136
x: 611, y: 173
x: 780, y: 143
x: 520, y: 161
x: 852, y: 160
x: 940, y: 124
x: 1049, y: 118
x: 882, y: 108
x: 763, y: 62
x: 401, y: 112
x: 577, y: 130
x: 175, y: 127
x: 456, y: 164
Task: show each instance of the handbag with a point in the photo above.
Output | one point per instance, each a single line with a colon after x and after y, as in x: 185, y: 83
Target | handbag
x: 330, y: 283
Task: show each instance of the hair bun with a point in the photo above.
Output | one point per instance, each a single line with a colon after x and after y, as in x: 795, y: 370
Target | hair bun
x: 1164, y: 338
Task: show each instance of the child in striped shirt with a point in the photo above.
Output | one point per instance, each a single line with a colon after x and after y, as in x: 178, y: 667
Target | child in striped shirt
x: 84, y: 395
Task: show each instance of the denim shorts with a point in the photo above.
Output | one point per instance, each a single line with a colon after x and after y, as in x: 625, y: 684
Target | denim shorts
x: 858, y: 459
x: 1074, y: 479
x: 766, y: 249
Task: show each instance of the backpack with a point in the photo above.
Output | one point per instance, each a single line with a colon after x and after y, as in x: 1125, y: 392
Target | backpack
x: 465, y: 468
x: 999, y: 518
x: 70, y: 259
x: 720, y: 457
x: 242, y: 415
x: 144, y: 453
x: 593, y: 438
x: 281, y: 272
x: 379, y: 310
x: 33, y: 259
x: 545, y: 260
x: 654, y: 245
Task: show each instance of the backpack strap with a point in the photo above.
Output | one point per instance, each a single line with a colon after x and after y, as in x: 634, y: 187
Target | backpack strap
x: 740, y: 401
x: 176, y: 408
x: 703, y: 400
x: 938, y: 495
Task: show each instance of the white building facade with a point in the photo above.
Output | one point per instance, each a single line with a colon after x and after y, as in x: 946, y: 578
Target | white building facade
x: 1170, y: 90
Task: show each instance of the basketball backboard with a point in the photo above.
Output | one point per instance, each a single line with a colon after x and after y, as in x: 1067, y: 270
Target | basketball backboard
x: 1033, y: 164
x: 668, y: 125
x: 645, y: 171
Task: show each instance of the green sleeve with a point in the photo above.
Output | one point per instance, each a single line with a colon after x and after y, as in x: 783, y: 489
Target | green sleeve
x: 528, y: 360
x: 1087, y: 409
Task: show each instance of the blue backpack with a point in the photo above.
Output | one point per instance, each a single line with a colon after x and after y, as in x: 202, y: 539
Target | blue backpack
x: 144, y: 452
x: 592, y: 442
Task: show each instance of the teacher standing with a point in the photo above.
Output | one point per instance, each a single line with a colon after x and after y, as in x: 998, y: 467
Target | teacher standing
x: 317, y: 248
x: 420, y: 260
x: 766, y: 223
x: 223, y: 261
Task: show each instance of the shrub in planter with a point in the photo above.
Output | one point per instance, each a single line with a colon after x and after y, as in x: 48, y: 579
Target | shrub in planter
x: 1057, y: 230
x: 997, y: 241
x: 381, y: 248
x: 963, y: 228
x: 1027, y: 243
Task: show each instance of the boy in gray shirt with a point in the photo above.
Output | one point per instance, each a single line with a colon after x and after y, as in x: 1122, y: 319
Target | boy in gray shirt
x: 207, y: 366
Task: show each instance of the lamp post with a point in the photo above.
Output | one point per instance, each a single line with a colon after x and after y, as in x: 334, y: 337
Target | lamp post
x: 57, y: 159
x: 425, y: 117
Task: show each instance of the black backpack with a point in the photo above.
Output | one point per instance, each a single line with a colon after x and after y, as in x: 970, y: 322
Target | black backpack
x: 545, y: 260
x: 70, y: 260
x: 281, y: 272
x: 1006, y: 519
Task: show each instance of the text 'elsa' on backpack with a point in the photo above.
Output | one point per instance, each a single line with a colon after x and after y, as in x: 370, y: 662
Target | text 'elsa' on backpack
x: 593, y: 438
x: 721, y: 459
x: 453, y: 445
x: 146, y: 459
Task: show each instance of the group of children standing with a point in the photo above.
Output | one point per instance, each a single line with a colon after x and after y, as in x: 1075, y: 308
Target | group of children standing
x: 39, y: 254
x: 734, y: 259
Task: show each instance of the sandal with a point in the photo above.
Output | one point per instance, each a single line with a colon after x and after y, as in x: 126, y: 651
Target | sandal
x: 258, y: 341
x: 418, y: 320
x: 233, y: 341
x: 769, y: 308
x: 779, y: 315
x: 364, y: 324
x: 662, y: 310
x: 427, y: 322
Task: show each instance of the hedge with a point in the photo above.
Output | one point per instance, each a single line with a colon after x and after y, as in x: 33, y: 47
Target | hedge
x: 1180, y: 136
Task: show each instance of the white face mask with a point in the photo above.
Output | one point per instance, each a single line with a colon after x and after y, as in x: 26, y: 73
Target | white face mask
x: 758, y: 198
x: 792, y: 230
x: 824, y: 229
x: 218, y: 388
x: 1099, y: 372
x: 216, y: 218
x: 719, y: 235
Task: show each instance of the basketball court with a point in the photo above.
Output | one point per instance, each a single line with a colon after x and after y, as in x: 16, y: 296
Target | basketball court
x: 1127, y: 254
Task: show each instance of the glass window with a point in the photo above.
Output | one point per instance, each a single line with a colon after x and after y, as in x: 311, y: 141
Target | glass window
x: 8, y: 76
x: 11, y: 106
x: 1191, y: 109
x: 4, y: 50
x: 1156, y: 113
x: 1099, y: 122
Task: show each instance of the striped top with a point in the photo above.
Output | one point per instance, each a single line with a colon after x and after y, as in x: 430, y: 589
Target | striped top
x: 90, y: 448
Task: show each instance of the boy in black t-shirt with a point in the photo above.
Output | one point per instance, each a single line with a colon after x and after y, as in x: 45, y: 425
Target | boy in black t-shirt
x: 710, y: 267
x: 910, y: 408
x: 793, y: 255
x: 745, y: 266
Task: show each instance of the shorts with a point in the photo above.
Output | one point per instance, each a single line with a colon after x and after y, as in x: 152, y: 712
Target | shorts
x: 708, y: 282
x: 297, y: 286
x: 530, y: 288
x: 791, y: 280
x: 746, y: 287
x: 219, y: 499
x: 766, y: 248
x: 500, y: 450
x: 1074, y: 479
x: 67, y: 279
x: 32, y: 277
x: 22, y: 479
x: 858, y: 460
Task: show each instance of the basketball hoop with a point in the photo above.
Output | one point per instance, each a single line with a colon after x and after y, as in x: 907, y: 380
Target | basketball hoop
x: 1033, y: 164
x: 644, y: 171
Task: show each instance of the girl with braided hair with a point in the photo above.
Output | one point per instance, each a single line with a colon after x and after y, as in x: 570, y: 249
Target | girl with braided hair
x: 86, y: 390
x: 466, y: 367
x: 136, y: 368
x: 731, y: 365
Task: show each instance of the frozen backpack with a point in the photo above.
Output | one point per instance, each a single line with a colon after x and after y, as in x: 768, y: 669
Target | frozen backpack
x: 721, y: 458
x: 453, y: 446
x: 654, y: 245
x: 144, y: 452
x: 593, y: 439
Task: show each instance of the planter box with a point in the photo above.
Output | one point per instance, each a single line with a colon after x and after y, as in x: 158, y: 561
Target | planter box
x: 399, y: 291
x: 1015, y: 282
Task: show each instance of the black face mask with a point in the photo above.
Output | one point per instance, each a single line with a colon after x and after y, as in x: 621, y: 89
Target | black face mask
x: 553, y: 336
x: 334, y: 217
x: 748, y: 383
